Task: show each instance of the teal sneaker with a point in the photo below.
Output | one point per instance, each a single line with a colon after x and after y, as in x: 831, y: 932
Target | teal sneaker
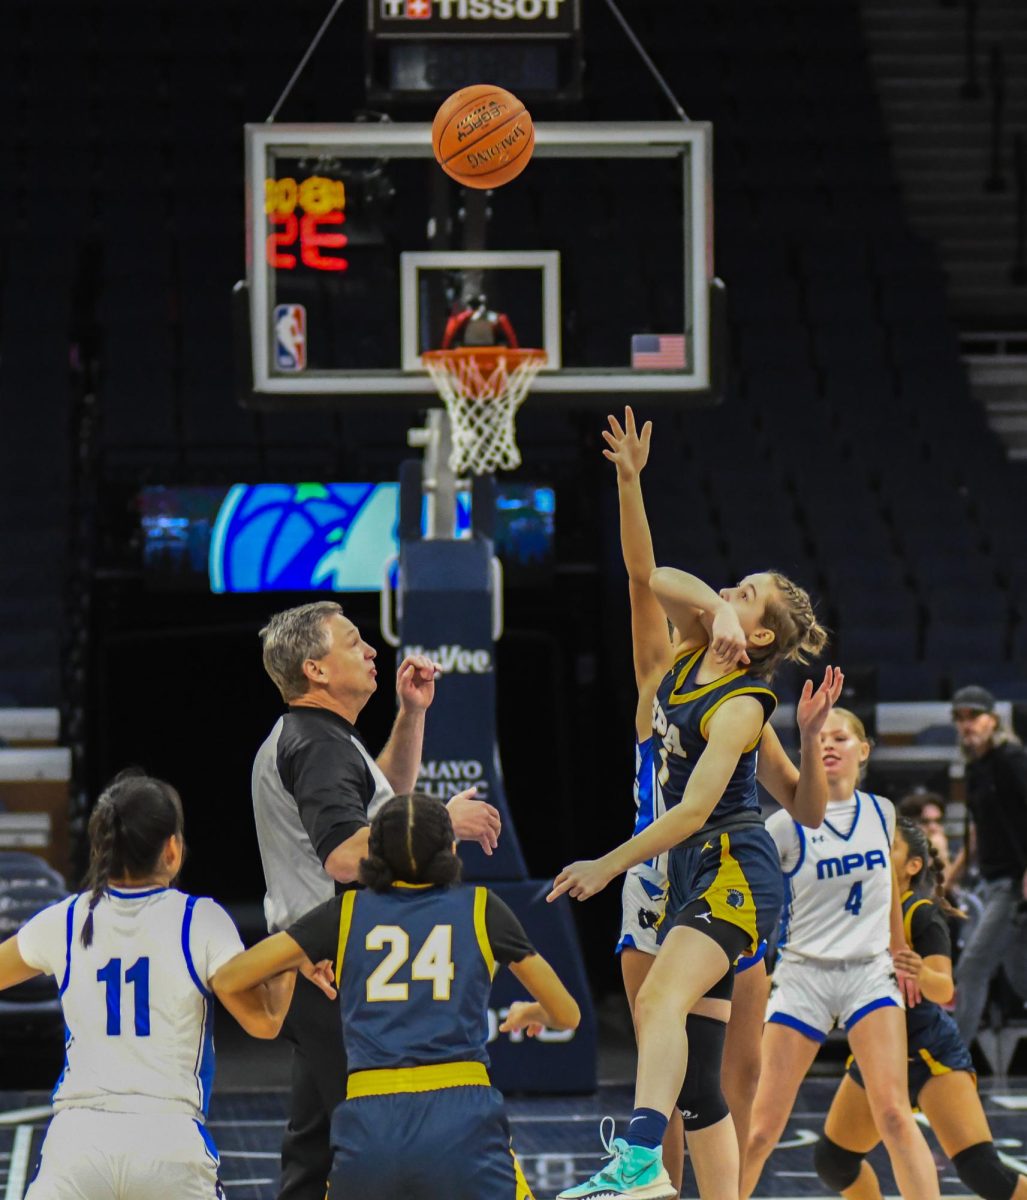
x: 635, y: 1171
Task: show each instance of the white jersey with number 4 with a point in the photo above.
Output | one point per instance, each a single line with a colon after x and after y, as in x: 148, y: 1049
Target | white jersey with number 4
x: 137, y: 1007
x: 838, y: 880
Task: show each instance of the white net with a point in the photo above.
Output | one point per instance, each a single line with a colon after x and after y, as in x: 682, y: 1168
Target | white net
x: 482, y: 388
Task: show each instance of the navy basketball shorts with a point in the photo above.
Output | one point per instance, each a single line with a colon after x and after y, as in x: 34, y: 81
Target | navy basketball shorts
x: 729, y: 888
x: 452, y: 1142
x: 937, y: 1051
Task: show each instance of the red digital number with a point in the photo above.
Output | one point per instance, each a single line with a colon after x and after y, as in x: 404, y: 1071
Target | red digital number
x: 287, y: 237
x: 313, y: 241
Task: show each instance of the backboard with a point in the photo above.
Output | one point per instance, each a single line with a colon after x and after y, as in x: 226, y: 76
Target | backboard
x: 360, y: 250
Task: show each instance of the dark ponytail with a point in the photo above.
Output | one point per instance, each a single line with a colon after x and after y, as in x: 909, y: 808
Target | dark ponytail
x: 128, y: 829
x: 411, y: 841
x: 930, y: 879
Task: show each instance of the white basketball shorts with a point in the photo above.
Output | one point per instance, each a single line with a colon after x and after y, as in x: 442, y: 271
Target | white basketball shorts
x: 814, y: 995
x: 91, y: 1155
x: 643, y: 900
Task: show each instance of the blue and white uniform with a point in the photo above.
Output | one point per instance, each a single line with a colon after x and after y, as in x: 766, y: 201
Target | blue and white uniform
x: 834, y: 966
x: 644, y: 895
x: 132, y: 1099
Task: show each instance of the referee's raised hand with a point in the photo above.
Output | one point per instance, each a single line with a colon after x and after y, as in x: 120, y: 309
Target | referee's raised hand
x: 415, y: 682
x: 474, y: 820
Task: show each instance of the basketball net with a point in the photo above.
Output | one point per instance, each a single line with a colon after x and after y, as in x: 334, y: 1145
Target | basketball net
x: 482, y: 388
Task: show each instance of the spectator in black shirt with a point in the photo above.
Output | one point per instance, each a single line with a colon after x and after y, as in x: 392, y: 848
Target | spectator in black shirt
x: 996, y: 796
x: 315, y: 789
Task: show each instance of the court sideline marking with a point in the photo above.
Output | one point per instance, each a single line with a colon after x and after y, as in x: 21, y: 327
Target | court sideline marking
x: 18, y: 1171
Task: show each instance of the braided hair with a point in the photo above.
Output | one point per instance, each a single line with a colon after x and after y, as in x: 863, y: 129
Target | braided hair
x: 128, y: 830
x: 411, y: 841
x: 798, y: 635
x: 929, y: 880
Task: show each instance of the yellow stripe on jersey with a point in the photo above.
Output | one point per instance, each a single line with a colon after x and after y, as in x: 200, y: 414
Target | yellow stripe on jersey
x: 730, y: 897
x: 430, y: 1078
x: 481, y: 896
x: 345, y: 920
x: 677, y: 697
x: 907, y: 919
x: 746, y: 691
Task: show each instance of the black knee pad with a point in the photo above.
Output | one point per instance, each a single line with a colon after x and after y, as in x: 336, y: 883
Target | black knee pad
x: 837, y: 1167
x: 984, y: 1173
x: 701, y: 1101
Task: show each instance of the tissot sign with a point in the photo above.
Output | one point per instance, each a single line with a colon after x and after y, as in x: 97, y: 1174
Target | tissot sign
x: 418, y: 18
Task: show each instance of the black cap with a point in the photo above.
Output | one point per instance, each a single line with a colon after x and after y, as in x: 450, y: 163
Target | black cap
x: 977, y: 698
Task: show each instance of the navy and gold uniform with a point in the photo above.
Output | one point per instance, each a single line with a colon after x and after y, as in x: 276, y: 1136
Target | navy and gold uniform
x: 935, y: 1044
x: 725, y: 879
x: 414, y: 968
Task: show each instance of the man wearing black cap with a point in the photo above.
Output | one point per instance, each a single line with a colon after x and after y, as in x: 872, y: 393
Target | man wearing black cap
x: 996, y: 795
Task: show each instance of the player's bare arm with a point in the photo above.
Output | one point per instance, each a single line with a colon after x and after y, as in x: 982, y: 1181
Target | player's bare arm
x: 13, y: 968
x: 628, y: 450
x: 734, y: 726
x: 686, y: 600
x: 801, y: 791
x: 256, y: 986
x: 553, y: 1007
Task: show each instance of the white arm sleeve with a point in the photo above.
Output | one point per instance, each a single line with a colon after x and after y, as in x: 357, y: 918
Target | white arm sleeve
x: 43, y: 941
x: 782, y: 829
x: 213, y: 938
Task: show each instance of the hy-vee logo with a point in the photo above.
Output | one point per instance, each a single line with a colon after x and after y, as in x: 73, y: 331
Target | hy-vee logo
x: 828, y: 868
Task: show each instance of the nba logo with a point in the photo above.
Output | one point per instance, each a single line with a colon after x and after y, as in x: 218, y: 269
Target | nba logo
x: 290, y: 337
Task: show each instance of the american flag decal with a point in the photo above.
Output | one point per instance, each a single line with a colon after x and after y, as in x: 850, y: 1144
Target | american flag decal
x: 658, y: 351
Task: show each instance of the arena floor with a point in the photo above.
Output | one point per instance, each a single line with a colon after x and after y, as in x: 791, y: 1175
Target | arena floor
x: 557, y: 1140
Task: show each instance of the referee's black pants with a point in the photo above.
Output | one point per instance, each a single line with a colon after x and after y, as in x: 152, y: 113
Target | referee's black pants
x: 314, y: 1028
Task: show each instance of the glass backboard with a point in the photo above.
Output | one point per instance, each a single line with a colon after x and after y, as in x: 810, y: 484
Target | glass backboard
x: 361, y: 251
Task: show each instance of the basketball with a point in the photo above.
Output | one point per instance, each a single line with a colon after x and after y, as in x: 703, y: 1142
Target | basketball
x: 483, y: 136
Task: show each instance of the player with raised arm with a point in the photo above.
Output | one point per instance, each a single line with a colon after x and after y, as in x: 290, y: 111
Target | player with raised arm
x: 725, y: 888
x: 841, y: 917
x: 414, y: 958
x: 654, y: 647
x: 138, y: 966
x: 940, y: 1071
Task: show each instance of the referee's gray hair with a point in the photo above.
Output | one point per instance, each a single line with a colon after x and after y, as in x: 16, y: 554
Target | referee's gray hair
x: 293, y: 636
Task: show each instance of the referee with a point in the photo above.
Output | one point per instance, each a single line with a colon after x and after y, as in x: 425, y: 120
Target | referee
x: 315, y: 789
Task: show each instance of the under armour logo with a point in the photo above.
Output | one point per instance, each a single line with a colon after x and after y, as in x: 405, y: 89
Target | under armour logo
x: 706, y: 916
x: 819, y: 837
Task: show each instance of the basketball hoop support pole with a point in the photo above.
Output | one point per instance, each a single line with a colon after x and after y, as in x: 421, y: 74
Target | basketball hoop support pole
x: 439, y: 484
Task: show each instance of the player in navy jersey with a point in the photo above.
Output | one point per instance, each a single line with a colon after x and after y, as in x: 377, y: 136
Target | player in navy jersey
x: 414, y: 956
x: 941, y: 1075
x: 138, y: 965
x: 725, y: 889
x: 654, y: 646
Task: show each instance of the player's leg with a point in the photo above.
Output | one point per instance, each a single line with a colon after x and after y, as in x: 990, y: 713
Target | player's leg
x: 983, y: 954
x: 634, y: 965
x: 740, y: 1074
x: 787, y: 1056
x: 952, y: 1105
x: 878, y: 1040
x: 849, y: 1135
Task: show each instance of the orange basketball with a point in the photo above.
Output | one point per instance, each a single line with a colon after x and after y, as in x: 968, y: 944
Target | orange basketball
x: 482, y: 136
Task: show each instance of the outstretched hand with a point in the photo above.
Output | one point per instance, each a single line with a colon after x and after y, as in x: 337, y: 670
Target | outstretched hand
x: 474, y: 820
x: 814, y: 707
x: 628, y: 449
x: 582, y: 879
x: 523, y: 1015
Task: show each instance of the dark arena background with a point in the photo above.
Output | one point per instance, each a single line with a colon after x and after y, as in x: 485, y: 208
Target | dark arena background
x: 225, y: 246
